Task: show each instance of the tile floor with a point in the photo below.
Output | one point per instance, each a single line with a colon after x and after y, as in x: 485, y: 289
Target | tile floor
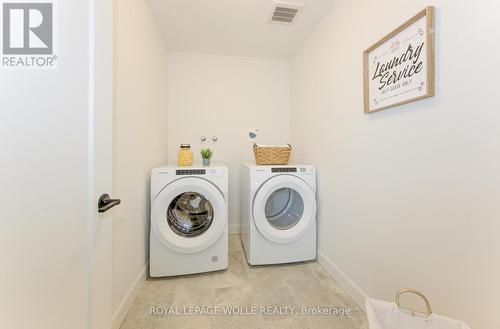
x: 254, y: 289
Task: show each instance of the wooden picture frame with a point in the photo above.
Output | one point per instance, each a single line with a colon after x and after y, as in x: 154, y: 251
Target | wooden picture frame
x: 399, y: 68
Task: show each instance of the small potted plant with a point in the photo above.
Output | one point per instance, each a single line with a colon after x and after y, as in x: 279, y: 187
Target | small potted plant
x: 206, y: 155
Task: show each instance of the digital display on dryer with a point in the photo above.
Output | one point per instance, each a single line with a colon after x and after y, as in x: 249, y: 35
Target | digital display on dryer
x: 284, y: 169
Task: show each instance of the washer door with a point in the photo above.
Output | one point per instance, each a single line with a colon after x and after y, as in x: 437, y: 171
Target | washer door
x: 189, y: 215
x: 284, y: 208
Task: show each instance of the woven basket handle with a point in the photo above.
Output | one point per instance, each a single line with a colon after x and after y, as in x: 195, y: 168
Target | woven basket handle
x: 415, y: 292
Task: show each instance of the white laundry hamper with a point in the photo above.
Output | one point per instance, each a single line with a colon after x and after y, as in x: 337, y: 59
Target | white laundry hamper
x: 385, y: 315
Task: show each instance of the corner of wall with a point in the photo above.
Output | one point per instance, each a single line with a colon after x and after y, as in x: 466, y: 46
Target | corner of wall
x: 140, y: 119
x: 351, y: 288
x: 121, y: 312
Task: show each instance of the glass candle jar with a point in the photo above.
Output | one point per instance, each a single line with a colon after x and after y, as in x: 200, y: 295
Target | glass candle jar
x: 185, y: 156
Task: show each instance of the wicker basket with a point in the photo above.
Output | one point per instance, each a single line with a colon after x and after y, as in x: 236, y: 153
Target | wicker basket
x: 272, y: 155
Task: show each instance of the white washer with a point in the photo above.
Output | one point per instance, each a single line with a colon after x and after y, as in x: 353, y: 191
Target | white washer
x: 188, y: 220
x: 278, y: 213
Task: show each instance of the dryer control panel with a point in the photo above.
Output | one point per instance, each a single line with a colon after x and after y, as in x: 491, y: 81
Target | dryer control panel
x: 295, y: 170
x: 283, y: 169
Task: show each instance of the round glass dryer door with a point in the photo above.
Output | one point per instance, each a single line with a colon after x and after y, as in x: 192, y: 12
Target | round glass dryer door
x: 284, y: 208
x: 190, y: 214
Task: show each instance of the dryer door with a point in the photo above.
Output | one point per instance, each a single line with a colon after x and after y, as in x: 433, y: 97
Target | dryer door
x: 189, y: 215
x: 284, y: 208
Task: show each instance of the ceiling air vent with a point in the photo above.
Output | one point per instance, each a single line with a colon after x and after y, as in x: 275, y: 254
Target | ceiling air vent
x: 285, y: 12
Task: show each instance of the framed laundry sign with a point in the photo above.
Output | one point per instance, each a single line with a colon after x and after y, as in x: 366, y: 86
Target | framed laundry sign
x: 399, y: 69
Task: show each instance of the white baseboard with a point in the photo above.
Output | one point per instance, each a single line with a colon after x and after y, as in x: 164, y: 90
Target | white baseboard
x: 234, y: 229
x: 351, y: 288
x: 122, y: 310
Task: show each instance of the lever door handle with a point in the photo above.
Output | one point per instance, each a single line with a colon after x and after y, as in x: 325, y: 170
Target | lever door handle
x: 105, y: 203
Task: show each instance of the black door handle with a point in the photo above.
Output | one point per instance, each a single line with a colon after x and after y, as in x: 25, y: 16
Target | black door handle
x: 105, y: 203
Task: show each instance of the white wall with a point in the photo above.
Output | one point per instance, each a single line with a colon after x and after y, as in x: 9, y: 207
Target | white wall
x: 140, y: 138
x: 43, y: 183
x: 408, y: 197
x: 227, y: 96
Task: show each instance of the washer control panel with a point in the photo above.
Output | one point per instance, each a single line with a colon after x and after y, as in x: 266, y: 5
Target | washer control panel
x: 215, y: 172
x: 184, y: 172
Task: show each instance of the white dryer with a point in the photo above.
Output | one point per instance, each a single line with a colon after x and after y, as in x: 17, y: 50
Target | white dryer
x: 278, y: 213
x: 188, y: 220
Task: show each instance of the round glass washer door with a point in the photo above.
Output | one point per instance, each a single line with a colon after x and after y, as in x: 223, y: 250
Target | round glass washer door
x: 284, y: 208
x: 188, y: 215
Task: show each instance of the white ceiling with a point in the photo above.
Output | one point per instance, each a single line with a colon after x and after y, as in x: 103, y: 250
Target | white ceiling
x: 234, y: 27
